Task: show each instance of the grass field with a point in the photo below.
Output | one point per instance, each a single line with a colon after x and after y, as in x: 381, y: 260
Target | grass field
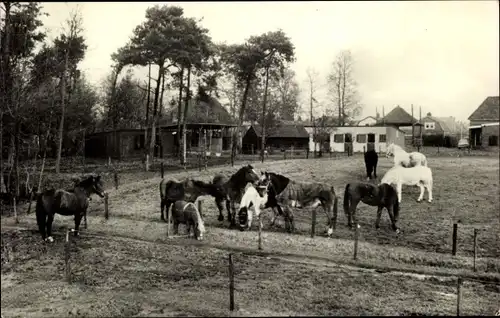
x: 127, y: 266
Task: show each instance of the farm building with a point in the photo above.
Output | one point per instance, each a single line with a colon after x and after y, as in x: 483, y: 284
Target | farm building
x: 287, y: 134
x: 400, y: 118
x: 361, y: 138
x: 206, y: 119
x: 367, y: 121
x: 484, y: 124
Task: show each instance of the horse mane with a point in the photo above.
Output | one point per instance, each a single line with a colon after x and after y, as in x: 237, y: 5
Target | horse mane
x: 239, y: 174
x: 280, y: 177
x: 199, y: 221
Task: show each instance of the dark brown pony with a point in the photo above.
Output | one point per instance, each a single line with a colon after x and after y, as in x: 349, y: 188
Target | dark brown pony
x: 66, y: 203
x: 187, y: 213
x: 188, y: 190
x: 232, y: 190
x: 381, y: 196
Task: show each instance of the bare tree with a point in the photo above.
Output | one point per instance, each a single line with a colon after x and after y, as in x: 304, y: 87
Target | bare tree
x: 312, y: 79
x: 343, y: 88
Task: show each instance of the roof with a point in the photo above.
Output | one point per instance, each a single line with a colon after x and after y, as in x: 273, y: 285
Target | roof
x: 488, y: 110
x: 284, y: 131
x: 398, y: 116
x: 206, y: 111
x: 484, y: 125
x: 440, y: 125
x: 367, y: 117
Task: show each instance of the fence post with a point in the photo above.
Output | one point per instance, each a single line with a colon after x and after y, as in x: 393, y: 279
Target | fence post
x: 260, y: 232
x: 162, y: 169
x: 16, y: 218
x: 168, y: 221
x: 356, y: 238
x: 307, y: 153
x: 313, y: 223
x: 106, y: 207
x: 454, y: 247
x: 459, y: 294
x: 475, y: 248
x: 67, y: 257
x: 109, y: 161
x: 116, y: 180
x: 291, y: 152
x: 200, y: 208
x: 231, y: 283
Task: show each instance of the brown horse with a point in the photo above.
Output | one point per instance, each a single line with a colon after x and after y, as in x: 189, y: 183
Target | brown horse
x: 188, y: 190
x: 232, y: 190
x: 66, y: 203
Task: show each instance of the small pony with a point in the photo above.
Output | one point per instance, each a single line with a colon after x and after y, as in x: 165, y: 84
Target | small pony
x: 256, y: 197
x: 402, y: 158
x: 68, y: 203
x: 420, y: 176
x: 381, y: 196
x: 187, y: 213
x: 371, y: 160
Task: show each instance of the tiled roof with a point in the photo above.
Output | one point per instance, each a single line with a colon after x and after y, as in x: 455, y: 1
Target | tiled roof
x: 284, y: 131
x: 488, y: 110
x: 398, y: 116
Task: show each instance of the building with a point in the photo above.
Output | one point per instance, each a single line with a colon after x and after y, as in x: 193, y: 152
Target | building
x: 285, y: 135
x: 437, y: 125
x: 484, y: 124
x: 367, y: 121
x: 402, y: 120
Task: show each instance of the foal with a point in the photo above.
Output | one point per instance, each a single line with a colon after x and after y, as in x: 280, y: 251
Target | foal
x: 187, y: 213
x: 420, y: 176
x: 252, y: 197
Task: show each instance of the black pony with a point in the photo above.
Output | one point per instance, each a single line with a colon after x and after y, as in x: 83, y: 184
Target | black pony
x: 232, y: 190
x: 188, y: 190
x: 371, y: 160
x: 381, y: 196
x: 66, y: 203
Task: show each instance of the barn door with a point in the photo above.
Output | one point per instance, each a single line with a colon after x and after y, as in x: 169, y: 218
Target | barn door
x: 348, y: 143
x: 370, y: 145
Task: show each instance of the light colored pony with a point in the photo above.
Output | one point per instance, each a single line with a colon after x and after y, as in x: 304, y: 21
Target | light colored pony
x: 255, y: 198
x: 187, y: 213
x: 402, y: 158
x: 419, y: 175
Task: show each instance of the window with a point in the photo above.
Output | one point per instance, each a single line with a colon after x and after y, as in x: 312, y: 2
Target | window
x: 430, y: 125
x: 382, y: 138
x: 361, y: 138
x: 139, y: 142
x: 371, y: 137
x: 338, y: 138
x: 493, y: 140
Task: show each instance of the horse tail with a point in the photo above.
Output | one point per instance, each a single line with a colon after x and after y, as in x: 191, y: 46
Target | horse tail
x: 163, y: 188
x: 347, y: 196
x: 396, y: 207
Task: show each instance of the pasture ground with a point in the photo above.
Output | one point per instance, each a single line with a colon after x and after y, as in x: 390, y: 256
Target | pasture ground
x: 127, y: 266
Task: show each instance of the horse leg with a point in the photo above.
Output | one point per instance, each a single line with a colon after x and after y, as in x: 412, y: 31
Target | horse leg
x: 375, y: 170
x: 393, y: 219
x: 289, y: 224
x: 218, y: 202
x: 379, y: 215
x: 429, y: 192
x: 233, y: 214
x: 399, y: 188
x: 168, y: 203
x: 275, y: 215
x: 229, y: 205
x: 421, y: 196
x: 162, y: 204
x: 176, y: 227
x: 85, y: 220
x: 50, y: 219
x: 41, y: 220
x: 352, y: 213
x: 368, y: 171
x: 78, y: 219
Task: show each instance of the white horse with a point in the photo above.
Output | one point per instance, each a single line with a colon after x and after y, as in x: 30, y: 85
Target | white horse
x: 402, y: 158
x: 420, y: 176
x: 255, y: 198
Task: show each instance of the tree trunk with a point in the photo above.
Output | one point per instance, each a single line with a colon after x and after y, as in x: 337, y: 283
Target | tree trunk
x: 146, y: 156
x: 63, y: 110
x: 179, y: 114
x: 114, y: 106
x: 186, y: 105
x: 240, y: 117
x: 160, y: 115
x: 263, y: 140
x: 155, y: 112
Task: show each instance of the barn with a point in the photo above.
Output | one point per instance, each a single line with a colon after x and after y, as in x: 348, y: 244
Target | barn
x: 484, y: 124
x: 285, y: 135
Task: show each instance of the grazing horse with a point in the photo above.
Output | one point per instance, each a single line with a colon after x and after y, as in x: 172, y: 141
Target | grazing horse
x: 371, y: 160
x: 419, y: 175
x: 66, y: 203
x: 188, y: 190
x: 232, y: 189
x: 381, y: 196
x: 256, y: 197
x: 402, y: 158
x: 187, y: 213
x: 301, y: 195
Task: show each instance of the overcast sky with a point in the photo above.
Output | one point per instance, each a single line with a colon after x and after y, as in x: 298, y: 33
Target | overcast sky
x: 442, y: 56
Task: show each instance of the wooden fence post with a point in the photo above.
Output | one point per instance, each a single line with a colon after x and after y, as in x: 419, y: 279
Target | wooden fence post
x: 475, y: 248
x: 162, y: 170
x: 67, y: 257
x: 200, y: 208
x: 109, y: 161
x: 459, y: 294
x: 454, y: 247
x: 106, y: 207
x: 16, y: 217
x: 313, y: 223
x: 116, y: 180
x: 356, y: 238
x: 168, y: 222
x: 231, y: 283
x: 260, y: 232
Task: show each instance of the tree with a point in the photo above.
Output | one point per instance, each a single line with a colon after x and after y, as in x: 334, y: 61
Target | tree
x: 312, y: 78
x: 343, y: 88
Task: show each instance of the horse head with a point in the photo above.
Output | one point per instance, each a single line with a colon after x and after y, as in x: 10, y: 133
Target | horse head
x: 248, y: 174
x: 93, y: 184
x: 263, y: 185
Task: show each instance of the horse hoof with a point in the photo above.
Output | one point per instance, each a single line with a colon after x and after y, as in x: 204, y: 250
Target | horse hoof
x: 430, y: 201
x: 419, y: 200
x: 49, y: 239
x: 398, y: 231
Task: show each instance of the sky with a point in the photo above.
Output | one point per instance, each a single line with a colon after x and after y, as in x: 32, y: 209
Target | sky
x: 442, y: 56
